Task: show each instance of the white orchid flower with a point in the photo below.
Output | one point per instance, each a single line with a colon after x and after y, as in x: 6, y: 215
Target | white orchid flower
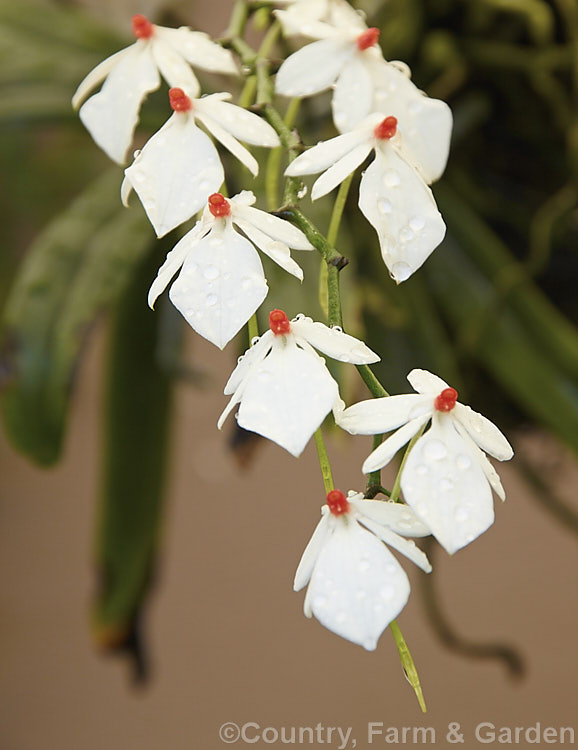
x: 111, y: 115
x: 446, y: 478
x: 221, y: 281
x: 283, y: 386
x: 393, y: 195
x: 179, y: 167
x: 312, y: 17
x: 342, y: 60
x: 356, y: 586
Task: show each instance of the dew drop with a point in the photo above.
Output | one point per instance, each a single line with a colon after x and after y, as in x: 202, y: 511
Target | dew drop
x: 212, y: 300
x: 415, y: 106
x: 369, y: 644
x: 446, y: 485
x: 417, y: 223
x: 463, y: 462
x: 422, y: 509
x: 383, y: 206
x: 400, y: 271
x: 211, y: 273
x: 422, y: 470
x: 139, y: 176
x: 435, y: 450
x: 461, y: 515
x: 319, y: 601
x: 302, y: 193
x: 344, y: 358
x: 340, y: 618
x: 240, y: 359
x: 387, y: 592
x: 255, y: 340
x: 391, y: 178
x: 339, y: 329
x: 264, y: 377
x: 246, y: 284
x: 204, y: 185
x: 363, y: 566
x: 378, y: 607
x: 405, y: 525
x: 406, y: 234
x: 390, y: 568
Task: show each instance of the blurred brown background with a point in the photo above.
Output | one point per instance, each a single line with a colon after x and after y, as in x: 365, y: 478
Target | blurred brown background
x: 227, y: 636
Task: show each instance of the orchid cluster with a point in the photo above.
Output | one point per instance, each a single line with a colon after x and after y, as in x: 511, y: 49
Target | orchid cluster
x: 281, y: 387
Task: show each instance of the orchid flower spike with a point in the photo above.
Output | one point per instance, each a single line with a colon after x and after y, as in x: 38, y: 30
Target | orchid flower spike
x: 343, y: 59
x: 356, y: 586
x: 446, y: 478
x: 392, y: 194
x: 111, y: 115
x: 179, y: 167
x: 283, y: 386
x: 222, y: 282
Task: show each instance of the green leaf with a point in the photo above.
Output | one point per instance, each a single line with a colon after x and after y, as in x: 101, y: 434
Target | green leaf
x: 135, y: 450
x: 502, y: 343
x: 77, y: 266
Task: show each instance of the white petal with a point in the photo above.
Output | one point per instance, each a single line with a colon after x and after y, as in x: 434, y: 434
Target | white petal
x: 125, y: 191
x: 252, y: 356
x: 396, y: 516
x: 378, y: 415
x: 175, y: 172
x: 175, y: 259
x: 399, y: 205
x: 111, y: 115
x: 97, y: 75
x: 174, y: 69
x: 446, y: 486
x: 357, y: 587
x: 245, y: 126
x: 313, y: 68
x: 287, y: 396
x: 334, y: 342
x: 220, y: 286
x: 487, y: 468
x: 383, y: 454
x: 198, y: 49
x: 340, y: 170
x: 425, y: 124
x: 342, y: 14
x: 230, y: 143
x: 483, y: 432
x: 277, y: 251
x: 405, y: 546
x: 311, y: 553
x: 277, y: 228
x: 423, y: 381
x: 325, y: 154
x: 352, y: 95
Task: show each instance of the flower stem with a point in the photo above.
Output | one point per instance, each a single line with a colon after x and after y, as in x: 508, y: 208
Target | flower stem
x: 374, y: 479
x: 407, y: 663
x: 323, y: 460
x: 375, y: 387
x: 337, y: 212
x: 253, y: 327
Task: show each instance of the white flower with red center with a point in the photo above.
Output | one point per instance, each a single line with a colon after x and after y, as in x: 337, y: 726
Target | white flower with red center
x: 111, y: 115
x: 221, y: 281
x: 446, y: 478
x: 356, y: 586
x: 393, y: 196
x: 284, y: 389
x: 343, y: 60
x: 179, y: 167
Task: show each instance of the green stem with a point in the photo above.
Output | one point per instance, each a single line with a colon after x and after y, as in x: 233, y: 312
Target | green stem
x: 407, y: 663
x: 338, y: 207
x: 373, y: 384
x: 374, y: 479
x: 274, y: 160
x: 323, y: 460
x: 239, y: 18
x: 253, y: 327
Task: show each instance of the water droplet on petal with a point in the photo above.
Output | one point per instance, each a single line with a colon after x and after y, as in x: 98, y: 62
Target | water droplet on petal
x: 369, y: 644
x: 400, y: 271
x: 255, y: 340
x: 319, y: 601
x: 211, y: 273
x: 339, y: 329
x: 391, y: 178
x: 446, y: 485
x: 463, y: 462
x: 363, y: 566
x: 435, y: 450
x: 406, y: 234
x: 417, y: 223
x: 212, y: 300
x: 340, y: 617
x: 246, y: 284
x: 383, y: 206
x: 422, y: 470
x: 344, y: 358
x: 461, y: 515
x: 387, y: 592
